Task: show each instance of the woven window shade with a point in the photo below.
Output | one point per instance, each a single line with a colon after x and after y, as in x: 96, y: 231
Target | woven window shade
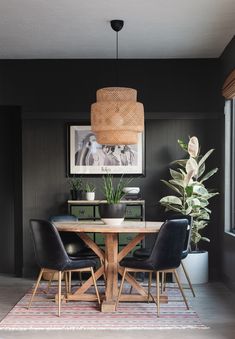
x: 117, y: 117
x: 228, y: 90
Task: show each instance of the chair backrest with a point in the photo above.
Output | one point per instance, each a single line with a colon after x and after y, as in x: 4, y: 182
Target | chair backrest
x: 167, y: 250
x: 72, y: 242
x: 49, y: 249
x: 63, y: 217
x: 188, y: 234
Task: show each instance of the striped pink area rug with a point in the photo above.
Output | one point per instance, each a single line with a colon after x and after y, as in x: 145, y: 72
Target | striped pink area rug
x: 86, y: 316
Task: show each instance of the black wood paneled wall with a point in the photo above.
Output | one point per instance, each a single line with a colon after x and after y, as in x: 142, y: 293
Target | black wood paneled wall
x: 10, y: 190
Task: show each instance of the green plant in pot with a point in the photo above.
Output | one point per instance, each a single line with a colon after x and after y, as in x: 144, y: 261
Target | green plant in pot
x: 113, y: 212
x: 90, y: 191
x: 76, y: 188
x: 192, y: 197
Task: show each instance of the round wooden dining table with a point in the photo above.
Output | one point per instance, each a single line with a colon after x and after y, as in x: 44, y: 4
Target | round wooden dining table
x: 110, y: 258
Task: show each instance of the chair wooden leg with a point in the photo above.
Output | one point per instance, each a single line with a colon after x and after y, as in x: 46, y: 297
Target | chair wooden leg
x: 96, y: 288
x: 162, y: 282
x: 102, y: 263
x: 49, y: 282
x: 70, y: 281
x: 36, y: 287
x: 80, y: 277
x: 59, y: 293
x: 188, y: 279
x: 149, y: 285
x: 121, y: 287
x: 131, y: 289
x: 157, y: 294
x: 181, y: 289
x: 66, y: 275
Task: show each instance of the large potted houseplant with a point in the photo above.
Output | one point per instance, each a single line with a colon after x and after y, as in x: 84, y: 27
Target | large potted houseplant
x: 192, y: 198
x: 113, y: 212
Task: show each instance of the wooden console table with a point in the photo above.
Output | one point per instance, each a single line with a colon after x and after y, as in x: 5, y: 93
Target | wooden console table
x: 111, y: 256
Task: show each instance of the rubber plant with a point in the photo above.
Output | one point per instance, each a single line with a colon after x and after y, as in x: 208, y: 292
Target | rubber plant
x: 188, y: 182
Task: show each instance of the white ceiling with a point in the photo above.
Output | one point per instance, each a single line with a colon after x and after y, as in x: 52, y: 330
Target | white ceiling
x: 81, y: 29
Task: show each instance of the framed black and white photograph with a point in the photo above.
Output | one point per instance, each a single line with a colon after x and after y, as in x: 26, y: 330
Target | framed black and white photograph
x: 86, y: 156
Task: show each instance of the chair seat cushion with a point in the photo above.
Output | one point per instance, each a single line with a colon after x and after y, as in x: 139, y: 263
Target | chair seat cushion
x: 86, y: 252
x: 132, y: 262
x: 142, y: 253
x: 76, y: 264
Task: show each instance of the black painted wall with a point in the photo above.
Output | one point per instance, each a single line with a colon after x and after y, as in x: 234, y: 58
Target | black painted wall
x: 10, y: 190
x: 181, y: 98
x: 181, y: 85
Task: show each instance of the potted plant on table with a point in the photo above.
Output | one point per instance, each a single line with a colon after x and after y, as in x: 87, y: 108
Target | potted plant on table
x: 113, y: 212
x: 76, y: 188
x: 188, y: 182
x: 90, y: 191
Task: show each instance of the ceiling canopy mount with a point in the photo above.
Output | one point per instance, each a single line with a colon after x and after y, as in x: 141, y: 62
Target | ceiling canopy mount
x: 117, y: 25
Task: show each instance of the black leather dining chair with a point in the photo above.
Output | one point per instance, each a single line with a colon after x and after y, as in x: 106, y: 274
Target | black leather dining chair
x: 165, y: 257
x: 74, y: 245
x: 143, y: 253
x: 51, y: 255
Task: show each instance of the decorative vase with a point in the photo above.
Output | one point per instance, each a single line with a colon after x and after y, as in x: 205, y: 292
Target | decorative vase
x: 112, y: 214
x: 90, y: 195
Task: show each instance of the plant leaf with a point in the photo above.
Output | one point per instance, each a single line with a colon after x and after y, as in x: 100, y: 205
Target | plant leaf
x: 200, y: 190
x: 176, y: 175
x: 172, y: 208
x: 188, y: 210
x: 194, y: 202
x: 178, y: 183
x: 192, y: 165
x: 189, y: 190
x: 201, y: 170
x: 193, y: 147
x: 181, y: 162
x: 183, y: 145
x: 209, y: 174
x: 205, y: 239
x: 171, y: 199
x: 203, y: 159
x: 188, y: 178
x: 171, y: 186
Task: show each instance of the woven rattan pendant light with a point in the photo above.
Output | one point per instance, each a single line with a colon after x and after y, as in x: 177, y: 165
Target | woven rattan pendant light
x: 117, y: 117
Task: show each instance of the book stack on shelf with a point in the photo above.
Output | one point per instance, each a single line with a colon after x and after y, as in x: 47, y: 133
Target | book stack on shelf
x: 136, y: 196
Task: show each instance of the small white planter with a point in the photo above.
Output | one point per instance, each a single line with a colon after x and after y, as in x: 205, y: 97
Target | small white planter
x: 196, y: 264
x: 90, y: 195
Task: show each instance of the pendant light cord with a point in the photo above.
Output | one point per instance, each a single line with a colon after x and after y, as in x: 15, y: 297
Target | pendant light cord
x: 117, y: 78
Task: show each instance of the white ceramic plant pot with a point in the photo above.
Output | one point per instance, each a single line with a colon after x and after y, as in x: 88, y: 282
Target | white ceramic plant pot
x: 90, y: 195
x: 196, y: 264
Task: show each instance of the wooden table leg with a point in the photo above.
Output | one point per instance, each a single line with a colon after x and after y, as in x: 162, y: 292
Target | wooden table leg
x: 111, y: 290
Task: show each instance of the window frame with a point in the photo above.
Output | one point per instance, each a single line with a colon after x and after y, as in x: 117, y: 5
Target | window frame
x: 229, y: 178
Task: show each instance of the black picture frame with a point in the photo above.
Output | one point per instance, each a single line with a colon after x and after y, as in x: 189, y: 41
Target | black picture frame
x: 86, y: 157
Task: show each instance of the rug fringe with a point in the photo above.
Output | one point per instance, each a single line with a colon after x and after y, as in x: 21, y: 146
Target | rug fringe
x: 107, y: 329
